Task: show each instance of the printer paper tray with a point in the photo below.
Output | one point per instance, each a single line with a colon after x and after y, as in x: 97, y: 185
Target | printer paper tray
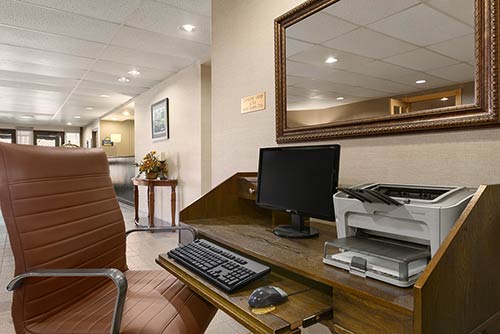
x: 383, y: 259
x: 378, y: 270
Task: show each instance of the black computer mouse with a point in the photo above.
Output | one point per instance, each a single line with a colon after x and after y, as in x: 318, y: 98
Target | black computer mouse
x: 267, y: 295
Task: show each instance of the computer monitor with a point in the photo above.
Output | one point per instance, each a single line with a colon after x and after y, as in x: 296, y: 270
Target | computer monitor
x: 300, y: 180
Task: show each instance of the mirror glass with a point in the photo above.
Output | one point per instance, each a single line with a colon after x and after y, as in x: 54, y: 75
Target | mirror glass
x: 361, y: 59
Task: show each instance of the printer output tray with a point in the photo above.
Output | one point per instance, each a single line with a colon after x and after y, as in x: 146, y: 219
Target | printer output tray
x: 409, y: 260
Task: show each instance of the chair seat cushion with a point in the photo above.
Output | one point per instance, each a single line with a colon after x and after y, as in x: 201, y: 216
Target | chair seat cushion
x: 156, y: 303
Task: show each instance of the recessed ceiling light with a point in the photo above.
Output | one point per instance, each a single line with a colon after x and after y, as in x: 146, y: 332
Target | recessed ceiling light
x: 89, y: 108
x: 113, y: 119
x: 69, y: 123
x: 126, y: 113
x: 26, y: 116
x: 444, y: 99
x: 76, y: 117
x: 419, y: 82
x: 331, y: 60
x: 134, y: 72
x: 340, y: 98
x: 123, y: 79
x: 104, y: 95
x: 187, y: 27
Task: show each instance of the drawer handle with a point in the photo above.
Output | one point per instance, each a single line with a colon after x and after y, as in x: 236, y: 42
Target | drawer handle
x: 251, y: 191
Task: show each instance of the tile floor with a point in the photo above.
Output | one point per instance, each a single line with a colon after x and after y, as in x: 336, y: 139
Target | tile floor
x: 142, y: 249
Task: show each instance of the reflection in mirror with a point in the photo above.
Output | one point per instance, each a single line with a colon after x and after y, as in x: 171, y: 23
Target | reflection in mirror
x: 360, y: 59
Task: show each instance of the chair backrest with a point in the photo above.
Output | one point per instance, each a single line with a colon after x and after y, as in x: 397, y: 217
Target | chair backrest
x: 61, y: 211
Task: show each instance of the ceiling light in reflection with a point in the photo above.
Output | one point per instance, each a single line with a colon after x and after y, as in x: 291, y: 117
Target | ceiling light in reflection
x: 123, y: 79
x: 419, y: 82
x: 126, y: 113
x: 331, y: 60
x: 134, y: 72
x: 444, y: 99
x: 76, y: 117
x: 340, y: 98
x: 26, y: 116
x: 187, y: 27
x: 104, y: 95
x: 69, y: 123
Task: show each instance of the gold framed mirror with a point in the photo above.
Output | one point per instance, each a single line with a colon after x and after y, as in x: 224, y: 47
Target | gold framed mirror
x: 361, y: 67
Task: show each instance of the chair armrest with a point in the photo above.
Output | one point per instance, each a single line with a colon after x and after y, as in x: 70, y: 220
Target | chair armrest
x: 165, y: 229
x: 114, y: 274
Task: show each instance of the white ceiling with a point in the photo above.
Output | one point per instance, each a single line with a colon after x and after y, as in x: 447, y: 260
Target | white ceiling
x: 60, y: 58
x: 383, y: 47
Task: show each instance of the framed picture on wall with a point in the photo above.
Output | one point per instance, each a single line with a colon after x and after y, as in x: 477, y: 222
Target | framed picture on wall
x: 159, y: 120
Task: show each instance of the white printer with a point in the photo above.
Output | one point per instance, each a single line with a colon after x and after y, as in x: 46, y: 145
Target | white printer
x: 390, y: 231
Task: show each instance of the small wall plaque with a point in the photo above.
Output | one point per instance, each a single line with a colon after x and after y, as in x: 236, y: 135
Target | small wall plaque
x: 253, y: 103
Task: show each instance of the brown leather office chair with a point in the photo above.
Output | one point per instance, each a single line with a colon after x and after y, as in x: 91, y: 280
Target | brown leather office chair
x: 67, y: 234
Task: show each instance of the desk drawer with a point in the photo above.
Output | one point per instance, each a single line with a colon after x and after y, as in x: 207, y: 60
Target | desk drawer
x: 247, y: 187
x: 354, y: 315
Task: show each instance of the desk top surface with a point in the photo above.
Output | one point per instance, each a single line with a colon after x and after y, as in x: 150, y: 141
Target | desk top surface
x: 253, y: 237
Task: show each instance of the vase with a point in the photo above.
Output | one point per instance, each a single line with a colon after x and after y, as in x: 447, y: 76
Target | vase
x: 152, y: 175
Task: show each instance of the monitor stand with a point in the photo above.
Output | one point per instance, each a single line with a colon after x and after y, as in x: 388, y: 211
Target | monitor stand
x: 297, y: 229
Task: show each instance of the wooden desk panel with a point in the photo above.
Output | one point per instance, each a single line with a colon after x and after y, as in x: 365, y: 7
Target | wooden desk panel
x: 254, y: 237
x: 457, y: 293
x: 303, y: 302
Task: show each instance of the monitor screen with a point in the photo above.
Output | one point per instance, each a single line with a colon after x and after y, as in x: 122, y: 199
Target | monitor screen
x: 300, y: 180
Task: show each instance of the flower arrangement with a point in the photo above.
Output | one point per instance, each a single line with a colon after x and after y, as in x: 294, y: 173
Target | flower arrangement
x: 151, y: 165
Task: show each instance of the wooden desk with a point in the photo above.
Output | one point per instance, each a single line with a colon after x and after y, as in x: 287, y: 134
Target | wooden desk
x: 458, y: 293
x: 151, y: 184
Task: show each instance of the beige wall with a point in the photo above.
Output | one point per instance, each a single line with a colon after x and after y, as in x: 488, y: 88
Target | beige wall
x: 243, y: 64
x: 124, y: 148
x: 87, y: 133
x: 184, y: 148
x: 206, y: 128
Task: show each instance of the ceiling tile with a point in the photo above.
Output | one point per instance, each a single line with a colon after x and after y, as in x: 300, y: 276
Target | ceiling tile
x: 34, y: 86
x: 201, y: 7
x: 460, y: 9
x: 368, y: 43
x: 458, y: 73
x: 38, y: 79
x: 153, y: 42
x: 303, y: 92
x: 431, y: 81
x: 117, y: 88
x: 112, y: 79
x: 319, y: 28
x: 49, y: 42
x: 421, y: 60
x: 421, y: 25
x: 292, y: 80
x: 317, y: 55
x: 60, y: 72
x: 165, y: 19
x: 294, y: 46
x: 461, y: 48
x: 119, y: 70
x: 46, y: 58
x: 139, y: 58
x: 363, y: 12
x: 94, y: 94
x: 28, y: 16
x: 380, y: 69
x: 343, y: 89
x: 109, y: 10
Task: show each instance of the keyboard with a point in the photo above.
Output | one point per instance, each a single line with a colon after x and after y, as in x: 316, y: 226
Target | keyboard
x: 225, y: 269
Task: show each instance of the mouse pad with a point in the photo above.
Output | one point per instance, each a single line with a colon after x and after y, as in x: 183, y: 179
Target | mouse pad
x: 263, y: 310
